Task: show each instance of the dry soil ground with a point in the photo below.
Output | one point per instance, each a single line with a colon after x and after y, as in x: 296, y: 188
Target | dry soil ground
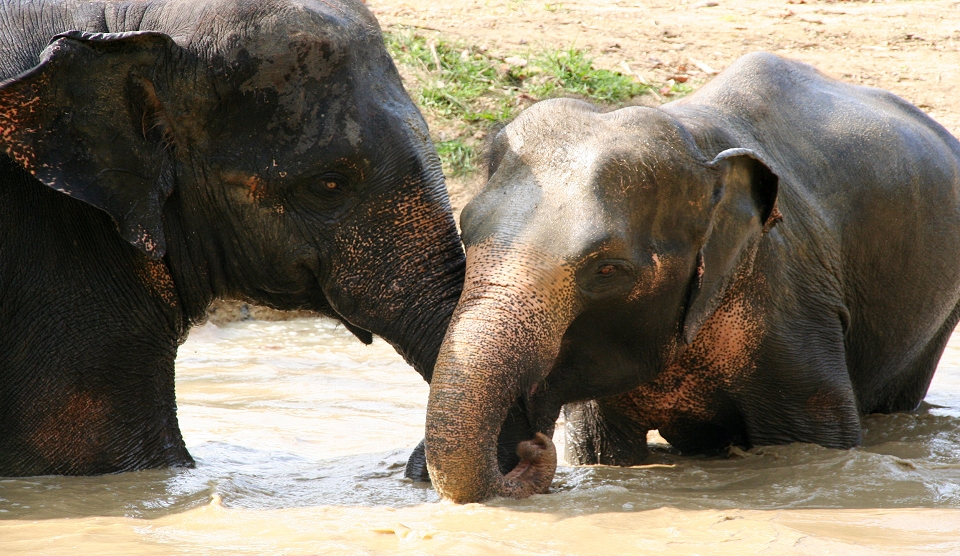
x: 908, y: 47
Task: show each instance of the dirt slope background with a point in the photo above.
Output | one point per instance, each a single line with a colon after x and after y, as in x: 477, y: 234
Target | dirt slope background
x: 908, y: 47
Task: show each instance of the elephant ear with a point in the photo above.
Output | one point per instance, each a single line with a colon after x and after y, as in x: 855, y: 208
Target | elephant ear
x: 746, y: 207
x: 87, y: 122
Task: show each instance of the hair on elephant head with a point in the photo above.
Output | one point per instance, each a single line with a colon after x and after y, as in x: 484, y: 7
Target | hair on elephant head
x: 164, y: 154
x: 626, y: 265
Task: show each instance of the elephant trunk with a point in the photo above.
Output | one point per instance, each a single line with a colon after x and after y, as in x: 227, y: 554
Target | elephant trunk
x: 418, y: 333
x: 418, y: 329
x: 503, y: 340
x: 406, y: 289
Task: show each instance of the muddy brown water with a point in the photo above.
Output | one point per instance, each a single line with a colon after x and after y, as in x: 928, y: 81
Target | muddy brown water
x: 300, y: 435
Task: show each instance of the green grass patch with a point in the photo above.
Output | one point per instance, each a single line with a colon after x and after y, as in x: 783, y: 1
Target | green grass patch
x: 571, y: 72
x: 678, y: 90
x: 464, y: 89
x: 458, y: 158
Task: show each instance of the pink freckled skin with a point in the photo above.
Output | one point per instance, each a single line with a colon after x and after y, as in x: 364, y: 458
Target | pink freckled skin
x: 723, y: 354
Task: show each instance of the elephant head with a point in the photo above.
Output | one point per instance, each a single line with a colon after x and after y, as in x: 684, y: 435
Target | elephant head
x: 262, y: 151
x: 596, y: 250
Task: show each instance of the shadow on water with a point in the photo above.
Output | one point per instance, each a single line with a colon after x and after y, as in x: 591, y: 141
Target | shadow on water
x: 237, y: 476
x: 234, y: 474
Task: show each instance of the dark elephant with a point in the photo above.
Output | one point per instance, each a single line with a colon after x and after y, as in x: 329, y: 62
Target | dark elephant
x: 762, y: 262
x: 162, y: 154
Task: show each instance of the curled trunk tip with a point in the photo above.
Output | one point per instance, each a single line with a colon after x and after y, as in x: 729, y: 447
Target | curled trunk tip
x: 534, y: 473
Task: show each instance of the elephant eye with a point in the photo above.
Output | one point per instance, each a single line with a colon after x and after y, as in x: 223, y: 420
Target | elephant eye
x: 325, y: 195
x: 606, y: 277
x: 332, y: 182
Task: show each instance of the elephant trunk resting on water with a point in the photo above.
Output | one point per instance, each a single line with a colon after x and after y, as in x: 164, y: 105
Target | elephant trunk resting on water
x: 161, y: 154
x: 761, y: 262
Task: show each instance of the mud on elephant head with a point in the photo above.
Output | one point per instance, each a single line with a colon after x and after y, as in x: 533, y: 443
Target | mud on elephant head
x: 600, y: 243
x: 261, y: 151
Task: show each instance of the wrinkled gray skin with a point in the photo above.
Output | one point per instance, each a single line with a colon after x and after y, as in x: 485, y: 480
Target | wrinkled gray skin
x: 162, y: 154
x: 762, y: 262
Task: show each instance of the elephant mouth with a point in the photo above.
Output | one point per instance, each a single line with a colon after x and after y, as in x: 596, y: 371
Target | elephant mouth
x: 319, y: 301
x: 364, y: 336
x: 529, y: 415
x: 322, y: 305
x: 361, y: 334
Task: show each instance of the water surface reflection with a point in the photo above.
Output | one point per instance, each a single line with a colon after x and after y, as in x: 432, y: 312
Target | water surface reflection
x: 300, y: 435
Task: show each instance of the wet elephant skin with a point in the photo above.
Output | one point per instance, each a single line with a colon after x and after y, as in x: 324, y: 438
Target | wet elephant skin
x: 762, y: 262
x: 160, y: 155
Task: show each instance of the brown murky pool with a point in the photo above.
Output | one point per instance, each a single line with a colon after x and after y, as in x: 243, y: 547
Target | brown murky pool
x: 300, y: 435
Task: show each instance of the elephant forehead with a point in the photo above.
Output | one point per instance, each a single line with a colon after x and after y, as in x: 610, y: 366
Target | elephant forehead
x: 581, y: 191
x: 616, y: 154
x: 546, y: 145
x: 291, y: 62
x: 563, y: 168
x: 281, y: 30
x: 280, y: 45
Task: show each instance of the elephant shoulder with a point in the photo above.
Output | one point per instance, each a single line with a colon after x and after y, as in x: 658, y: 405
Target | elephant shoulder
x: 759, y: 80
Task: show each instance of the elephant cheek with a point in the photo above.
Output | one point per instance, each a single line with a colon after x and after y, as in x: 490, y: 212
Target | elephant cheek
x: 666, y: 272
x: 730, y: 338
x: 397, y: 252
x: 723, y: 355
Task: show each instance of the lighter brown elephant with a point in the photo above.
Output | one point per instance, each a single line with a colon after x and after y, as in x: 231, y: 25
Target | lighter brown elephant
x: 762, y: 262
